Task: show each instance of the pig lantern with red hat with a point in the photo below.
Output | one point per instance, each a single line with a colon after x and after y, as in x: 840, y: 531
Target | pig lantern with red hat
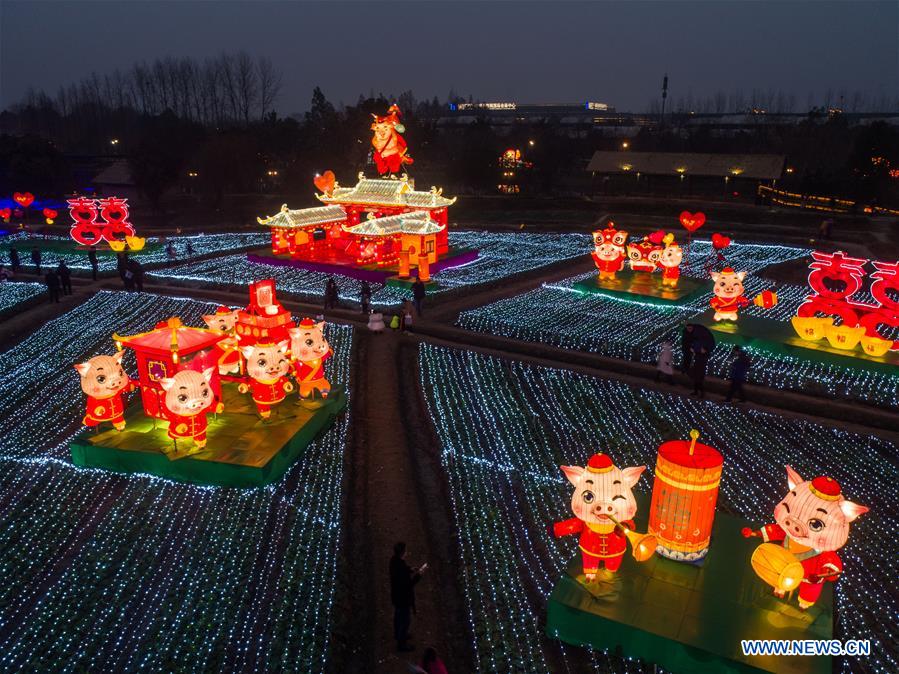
x: 604, y: 506
x: 309, y: 350
x: 729, y: 297
x: 608, y: 251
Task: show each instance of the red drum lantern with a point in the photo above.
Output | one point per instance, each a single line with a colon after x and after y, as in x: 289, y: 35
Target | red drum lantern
x: 684, y: 495
x: 765, y: 299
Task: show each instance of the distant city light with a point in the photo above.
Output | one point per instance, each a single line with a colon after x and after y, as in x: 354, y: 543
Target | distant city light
x: 114, y: 141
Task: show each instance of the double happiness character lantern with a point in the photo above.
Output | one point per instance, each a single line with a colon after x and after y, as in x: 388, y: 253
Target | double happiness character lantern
x: 309, y: 350
x: 608, y: 251
x: 104, y: 381
x: 114, y: 228
x: 603, y: 505
x: 390, y: 151
x: 684, y: 496
x: 811, y: 524
x: 729, y: 298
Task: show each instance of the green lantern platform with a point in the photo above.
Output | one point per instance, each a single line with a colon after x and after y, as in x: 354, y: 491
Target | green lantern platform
x: 644, y: 287
x: 779, y: 338
x: 241, y: 450
x: 686, y: 618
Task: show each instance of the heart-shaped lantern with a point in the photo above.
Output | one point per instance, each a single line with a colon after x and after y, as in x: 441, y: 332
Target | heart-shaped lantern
x: 24, y: 199
x: 657, y: 237
x: 50, y: 214
x: 6, y: 214
x: 719, y: 241
x: 325, y: 182
x: 692, y: 221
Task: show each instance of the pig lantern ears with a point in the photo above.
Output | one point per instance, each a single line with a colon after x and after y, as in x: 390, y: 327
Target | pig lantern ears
x: 632, y: 475
x: 573, y: 473
x: 793, y: 478
x: 852, y: 510
x: 83, y: 368
x: 166, y: 383
x: 247, y: 351
x: 283, y: 346
x: 207, y: 374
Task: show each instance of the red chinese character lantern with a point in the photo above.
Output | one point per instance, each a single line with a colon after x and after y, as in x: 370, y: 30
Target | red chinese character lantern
x: 684, y: 495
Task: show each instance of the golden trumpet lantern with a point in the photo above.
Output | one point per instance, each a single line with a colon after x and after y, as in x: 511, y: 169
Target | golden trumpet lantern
x: 843, y: 336
x: 777, y: 566
x: 643, y: 546
x: 136, y: 242
x: 875, y: 346
x: 810, y: 328
x: 116, y: 245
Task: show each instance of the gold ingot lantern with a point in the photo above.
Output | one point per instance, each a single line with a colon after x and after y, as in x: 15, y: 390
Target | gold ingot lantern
x: 875, y: 346
x: 777, y: 566
x: 116, y: 245
x: 811, y: 328
x: 136, y: 242
x: 843, y: 336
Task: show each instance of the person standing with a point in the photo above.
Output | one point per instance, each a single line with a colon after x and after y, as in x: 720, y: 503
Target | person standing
x: 739, y: 369
x: 137, y: 274
x: 36, y: 259
x: 52, y: 281
x: 686, y: 346
x: 330, y: 293
x: 190, y: 250
x: 365, y: 297
x: 403, y: 579
x: 14, y: 260
x: 700, y: 363
x: 418, y: 296
x: 65, y: 277
x: 95, y: 265
x: 665, y: 364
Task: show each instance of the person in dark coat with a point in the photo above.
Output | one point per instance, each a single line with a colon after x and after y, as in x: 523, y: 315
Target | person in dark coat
x: 686, y: 346
x: 14, y: 260
x: 52, y: 281
x: 418, y: 295
x: 739, y: 369
x: 137, y: 274
x: 330, y: 294
x: 36, y: 259
x: 95, y: 265
x: 700, y: 363
x: 365, y: 297
x: 65, y: 277
x: 403, y: 579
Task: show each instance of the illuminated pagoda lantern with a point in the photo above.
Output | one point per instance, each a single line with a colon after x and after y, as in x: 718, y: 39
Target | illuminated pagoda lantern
x: 684, y: 496
x: 265, y: 320
x: 163, y: 351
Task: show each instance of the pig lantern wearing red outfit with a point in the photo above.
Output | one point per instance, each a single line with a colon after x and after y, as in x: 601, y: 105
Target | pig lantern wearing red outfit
x: 602, y: 495
x: 105, y: 382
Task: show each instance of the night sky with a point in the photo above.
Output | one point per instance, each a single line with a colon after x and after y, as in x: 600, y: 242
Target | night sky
x: 527, y: 52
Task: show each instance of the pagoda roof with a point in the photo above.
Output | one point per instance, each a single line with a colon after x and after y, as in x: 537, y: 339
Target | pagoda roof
x: 414, y: 222
x: 304, y: 217
x: 380, y: 192
x: 174, y: 337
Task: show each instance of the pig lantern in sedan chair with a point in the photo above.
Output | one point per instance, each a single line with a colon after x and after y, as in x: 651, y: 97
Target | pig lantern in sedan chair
x: 603, y: 504
x: 810, y: 524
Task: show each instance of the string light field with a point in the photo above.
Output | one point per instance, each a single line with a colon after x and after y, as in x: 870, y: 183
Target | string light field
x: 106, y: 572
x: 12, y: 294
x: 559, y: 315
x: 506, y: 427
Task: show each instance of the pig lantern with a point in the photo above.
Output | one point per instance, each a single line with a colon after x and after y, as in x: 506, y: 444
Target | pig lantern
x: 105, y: 382
x: 728, y: 298
x: 267, y: 365
x: 309, y: 350
x: 811, y: 524
x: 188, y: 399
x: 608, y: 251
x: 604, y: 506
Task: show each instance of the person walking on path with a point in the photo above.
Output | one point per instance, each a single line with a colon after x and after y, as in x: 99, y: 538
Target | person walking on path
x: 330, y: 294
x: 170, y: 254
x: 36, y: 259
x: 365, y: 297
x: 664, y: 363
x: 403, y: 579
x: 14, y: 260
x: 190, y: 250
x: 738, y: 371
x: 700, y: 362
x: 418, y: 296
x: 137, y: 274
x: 65, y: 277
x: 686, y: 346
x: 52, y: 281
x: 95, y: 265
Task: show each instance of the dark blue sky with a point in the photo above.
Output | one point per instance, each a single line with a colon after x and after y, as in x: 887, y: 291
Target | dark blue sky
x: 613, y: 52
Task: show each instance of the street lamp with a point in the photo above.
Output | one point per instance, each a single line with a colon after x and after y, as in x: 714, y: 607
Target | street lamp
x: 114, y: 141
x: 531, y: 143
x: 625, y: 145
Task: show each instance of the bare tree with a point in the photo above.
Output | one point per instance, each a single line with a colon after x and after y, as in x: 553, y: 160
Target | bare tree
x: 247, y: 85
x: 269, y: 84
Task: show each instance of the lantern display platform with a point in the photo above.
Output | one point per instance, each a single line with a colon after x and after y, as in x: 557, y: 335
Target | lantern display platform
x: 242, y: 450
x: 688, y: 618
x: 780, y: 338
x: 644, y: 287
x: 455, y: 257
x: 407, y: 283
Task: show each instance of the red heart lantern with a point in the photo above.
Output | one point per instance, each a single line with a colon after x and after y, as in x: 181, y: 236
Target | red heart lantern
x: 325, y: 182
x: 692, y: 221
x: 719, y: 241
x: 5, y: 213
x: 657, y: 237
x: 50, y: 214
x: 25, y: 200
